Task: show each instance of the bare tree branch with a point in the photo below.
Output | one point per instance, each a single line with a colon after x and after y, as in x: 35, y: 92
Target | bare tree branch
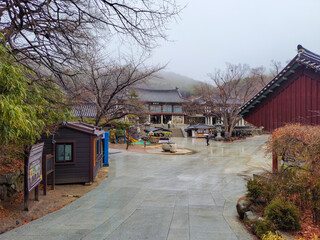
x: 109, y: 86
x: 234, y: 89
x: 52, y: 33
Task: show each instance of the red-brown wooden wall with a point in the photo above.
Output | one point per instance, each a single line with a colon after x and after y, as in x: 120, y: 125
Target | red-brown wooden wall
x: 298, y: 102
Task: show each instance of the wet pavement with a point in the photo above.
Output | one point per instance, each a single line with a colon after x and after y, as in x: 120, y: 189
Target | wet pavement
x: 161, y: 197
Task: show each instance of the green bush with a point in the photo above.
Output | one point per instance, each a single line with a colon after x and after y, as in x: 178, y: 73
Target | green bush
x: 254, y: 188
x: 261, y: 189
x: 263, y: 227
x: 283, y: 214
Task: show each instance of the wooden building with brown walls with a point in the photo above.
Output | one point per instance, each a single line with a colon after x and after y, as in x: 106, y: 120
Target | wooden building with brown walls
x: 293, y: 96
x: 77, y: 150
x: 163, y: 105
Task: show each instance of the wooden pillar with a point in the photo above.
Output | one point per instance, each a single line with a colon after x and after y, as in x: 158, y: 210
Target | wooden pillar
x: 26, y: 190
x: 274, y: 162
x: 36, y: 193
x: 44, y: 174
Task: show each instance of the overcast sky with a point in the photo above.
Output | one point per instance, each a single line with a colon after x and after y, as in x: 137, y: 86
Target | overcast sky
x: 213, y: 32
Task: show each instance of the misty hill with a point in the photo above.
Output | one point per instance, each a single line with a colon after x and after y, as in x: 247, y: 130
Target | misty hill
x: 170, y: 80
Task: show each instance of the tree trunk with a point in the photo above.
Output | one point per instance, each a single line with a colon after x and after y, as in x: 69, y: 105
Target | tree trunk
x: 97, y: 120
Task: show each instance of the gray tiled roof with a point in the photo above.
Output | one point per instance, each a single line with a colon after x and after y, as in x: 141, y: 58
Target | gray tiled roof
x: 304, y: 57
x: 200, y: 126
x: 83, y: 127
x: 85, y: 110
x: 164, y: 96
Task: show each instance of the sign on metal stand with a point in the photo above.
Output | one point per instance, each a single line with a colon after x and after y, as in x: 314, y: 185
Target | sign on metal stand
x: 32, y: 173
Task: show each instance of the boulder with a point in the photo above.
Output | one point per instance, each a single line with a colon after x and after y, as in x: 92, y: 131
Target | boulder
x: 242, y: 207
x: 169, y: 147
x: 251, y: 217
x: 173, y: 148
x: 260, y: 201
x: 10, y: 184
x: 10, y: 178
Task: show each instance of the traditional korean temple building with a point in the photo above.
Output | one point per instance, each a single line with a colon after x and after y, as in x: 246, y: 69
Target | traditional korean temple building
x: 293, y: 96
x: 163, y: 106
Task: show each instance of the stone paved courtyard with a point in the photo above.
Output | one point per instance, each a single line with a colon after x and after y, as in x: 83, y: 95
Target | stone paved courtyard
x: 160, y: 197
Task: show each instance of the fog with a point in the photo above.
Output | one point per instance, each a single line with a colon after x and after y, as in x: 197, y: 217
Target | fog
x: 210, y: 33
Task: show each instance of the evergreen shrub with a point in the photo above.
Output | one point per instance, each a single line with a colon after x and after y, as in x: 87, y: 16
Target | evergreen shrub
x: 283, y: 214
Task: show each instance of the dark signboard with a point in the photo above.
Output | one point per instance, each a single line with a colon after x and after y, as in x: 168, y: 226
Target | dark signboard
x: 35, y: 166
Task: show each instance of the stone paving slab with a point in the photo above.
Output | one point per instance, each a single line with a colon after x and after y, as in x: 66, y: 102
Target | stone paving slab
x: 190, y: 197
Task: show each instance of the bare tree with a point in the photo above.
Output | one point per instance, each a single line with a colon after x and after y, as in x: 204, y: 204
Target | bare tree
x: 51, y: 33
x: 234, y: 89
x: 276, y: 67
x: 204, y: 90
x: 259, y: 76
x: 192, y: 107
x: 108, y: 85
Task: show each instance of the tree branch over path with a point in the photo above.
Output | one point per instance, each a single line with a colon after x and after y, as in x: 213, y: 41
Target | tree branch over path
x: 51, y: 33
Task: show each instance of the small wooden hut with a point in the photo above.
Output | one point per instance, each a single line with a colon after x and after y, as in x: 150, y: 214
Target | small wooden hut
x: 77, y: 150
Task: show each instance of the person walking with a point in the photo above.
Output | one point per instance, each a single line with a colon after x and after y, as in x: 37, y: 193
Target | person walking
x: 169, y: 124
x: 208, y: 138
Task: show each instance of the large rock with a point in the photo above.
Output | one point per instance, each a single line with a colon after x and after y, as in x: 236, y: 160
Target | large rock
x: 251, y: 217
x: 260, y: 201
x: 10, y: 184
x: 169, y: 147
x: 242, y: 207
x: 173, y: 148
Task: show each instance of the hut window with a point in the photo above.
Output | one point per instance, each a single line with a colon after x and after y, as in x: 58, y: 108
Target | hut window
x: 98, y: 147
x: 64, y: 152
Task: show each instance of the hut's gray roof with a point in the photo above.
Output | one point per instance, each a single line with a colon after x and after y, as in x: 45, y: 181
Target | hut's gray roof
x: 83, y: 127
x: 304, y: 57
x: 163, y: 96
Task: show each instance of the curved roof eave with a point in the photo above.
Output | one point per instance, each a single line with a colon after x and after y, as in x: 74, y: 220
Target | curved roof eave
x: 304, y: 57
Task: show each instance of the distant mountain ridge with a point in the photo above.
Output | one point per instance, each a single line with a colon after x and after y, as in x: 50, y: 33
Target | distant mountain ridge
x: 170, y: 80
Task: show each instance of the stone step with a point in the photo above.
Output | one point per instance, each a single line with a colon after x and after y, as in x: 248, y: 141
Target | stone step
x: 176, y: 132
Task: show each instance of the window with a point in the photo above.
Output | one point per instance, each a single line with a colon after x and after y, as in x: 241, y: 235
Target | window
x: 155, y: 108
x: 167, y: 108
x: 98, y: 147
x: 177, y: 109
x: 64, y: 152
